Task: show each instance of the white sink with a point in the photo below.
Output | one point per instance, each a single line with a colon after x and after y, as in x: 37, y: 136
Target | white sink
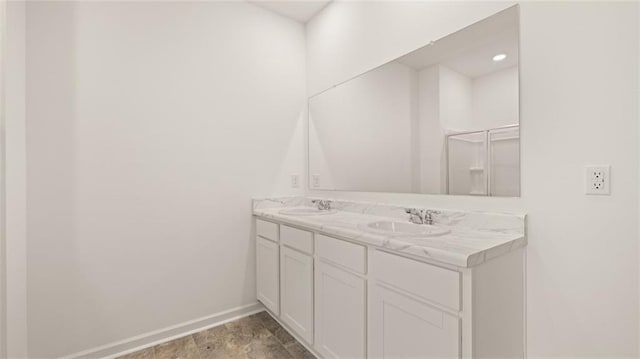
x: 306, y: 211
x: 406, y: 229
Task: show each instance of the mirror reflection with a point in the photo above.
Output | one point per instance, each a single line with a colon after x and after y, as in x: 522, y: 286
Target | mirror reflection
x: 442, y: 119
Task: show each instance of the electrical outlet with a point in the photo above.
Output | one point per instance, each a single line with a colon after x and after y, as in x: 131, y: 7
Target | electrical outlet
x: 315, y: 180
x: 295, y: 181
x: 598, y: 180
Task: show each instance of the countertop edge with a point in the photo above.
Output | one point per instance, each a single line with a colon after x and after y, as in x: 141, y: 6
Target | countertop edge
x: 454, y: 259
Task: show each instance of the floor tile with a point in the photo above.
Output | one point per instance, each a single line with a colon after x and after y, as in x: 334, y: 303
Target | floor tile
x: 298, y: 351
x: 284, y: 337
x: 267, y: 348
x: 247, y: 330
x: 141, y: 354
x: 268, y: 322
x: 258, y: 336
x: 181, y: 348
x: 218, y: 342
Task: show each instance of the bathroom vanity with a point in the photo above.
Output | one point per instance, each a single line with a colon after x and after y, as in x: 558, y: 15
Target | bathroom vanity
x: 361, y: 281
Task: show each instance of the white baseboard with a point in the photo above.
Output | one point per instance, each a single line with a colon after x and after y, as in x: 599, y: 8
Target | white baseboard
x: 146, y: 340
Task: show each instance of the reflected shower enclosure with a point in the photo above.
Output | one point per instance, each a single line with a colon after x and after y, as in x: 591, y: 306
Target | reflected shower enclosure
x: 484, y: 163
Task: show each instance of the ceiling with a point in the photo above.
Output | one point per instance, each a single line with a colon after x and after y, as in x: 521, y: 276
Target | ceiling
x: 470, y: 51
x: 479, y: 61
x: 299, y: 10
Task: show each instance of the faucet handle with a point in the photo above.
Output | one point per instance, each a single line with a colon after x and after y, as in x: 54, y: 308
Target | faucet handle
x: 428, y: 216
x: 414, y: 215
x: 323, y: 204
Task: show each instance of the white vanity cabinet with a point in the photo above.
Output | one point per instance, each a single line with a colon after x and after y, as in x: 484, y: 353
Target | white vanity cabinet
x: 349, y: 299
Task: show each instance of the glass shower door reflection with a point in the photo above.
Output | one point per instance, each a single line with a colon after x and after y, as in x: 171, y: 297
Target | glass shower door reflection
x: 504, y: 160
x: 466, y: 162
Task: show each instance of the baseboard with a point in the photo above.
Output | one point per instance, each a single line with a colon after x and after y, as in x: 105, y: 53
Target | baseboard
x: 139, y: 342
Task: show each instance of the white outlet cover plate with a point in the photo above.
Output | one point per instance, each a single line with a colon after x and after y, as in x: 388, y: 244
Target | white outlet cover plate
x: 598, y: 180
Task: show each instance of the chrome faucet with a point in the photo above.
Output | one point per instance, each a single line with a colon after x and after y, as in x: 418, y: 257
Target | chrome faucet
x: 323, y: 204
x: 421, y: 216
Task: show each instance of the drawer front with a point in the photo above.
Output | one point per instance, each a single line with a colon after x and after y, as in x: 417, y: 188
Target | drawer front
x: 268, y: 230
x: 432, y: 283
x: 347, y: 254
x: 297, y: 238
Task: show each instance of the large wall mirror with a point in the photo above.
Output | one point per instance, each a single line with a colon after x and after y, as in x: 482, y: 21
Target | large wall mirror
x: 443, y: 119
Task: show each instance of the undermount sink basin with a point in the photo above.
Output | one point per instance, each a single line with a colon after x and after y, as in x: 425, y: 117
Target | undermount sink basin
x: 306, y: 212
x: 405, y: 229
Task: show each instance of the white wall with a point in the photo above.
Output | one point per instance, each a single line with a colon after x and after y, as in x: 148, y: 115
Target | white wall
x: 15, y: 112
x: 150, y: 126
x: 445, y: 106
x: 479, y: 103
x: 431, y: 148
x: 456, y: 94
x: 495, y: 99
x: 582, y: 284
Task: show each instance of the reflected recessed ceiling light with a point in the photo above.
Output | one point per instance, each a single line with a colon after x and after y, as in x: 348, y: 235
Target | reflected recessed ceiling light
x: 499, y: 57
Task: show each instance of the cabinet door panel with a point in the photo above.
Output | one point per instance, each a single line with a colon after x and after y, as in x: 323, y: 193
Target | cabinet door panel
x: 297, y: 292
x: 267, y: 273
x: 340, y: 313
x: 402, y: 327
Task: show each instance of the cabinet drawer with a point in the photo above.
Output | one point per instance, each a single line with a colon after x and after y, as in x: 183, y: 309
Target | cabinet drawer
x: 297, y: 238
x: 347, y: 254
x: 433, y: 283
x: 268, y: 230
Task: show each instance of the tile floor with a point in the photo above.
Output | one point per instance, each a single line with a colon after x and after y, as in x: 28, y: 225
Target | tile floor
x: 254, y: 337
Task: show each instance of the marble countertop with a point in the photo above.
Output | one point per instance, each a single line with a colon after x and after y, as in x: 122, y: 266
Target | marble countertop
x: 475, y: 237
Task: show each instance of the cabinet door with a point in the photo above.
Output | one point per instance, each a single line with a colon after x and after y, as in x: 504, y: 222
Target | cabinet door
x: 267, y: 270
x: 340, y: 313
x: 296, y: 280
x: 402, y: 327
